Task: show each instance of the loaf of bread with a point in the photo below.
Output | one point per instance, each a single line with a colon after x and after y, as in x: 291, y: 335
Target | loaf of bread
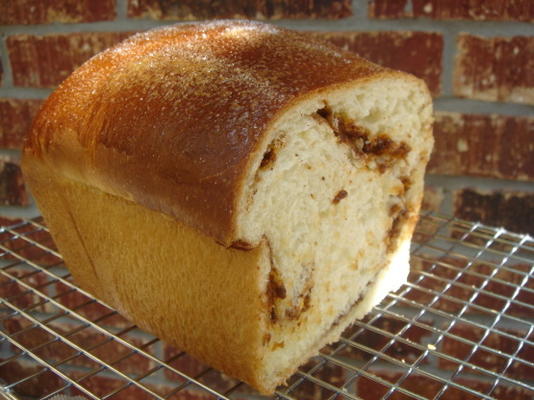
x: 240, y: 190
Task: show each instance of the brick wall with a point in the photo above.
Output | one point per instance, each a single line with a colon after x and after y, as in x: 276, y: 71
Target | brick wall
x: 476, y: 56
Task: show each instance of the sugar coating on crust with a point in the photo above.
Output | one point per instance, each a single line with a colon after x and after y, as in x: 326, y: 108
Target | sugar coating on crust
x: 172, y: 117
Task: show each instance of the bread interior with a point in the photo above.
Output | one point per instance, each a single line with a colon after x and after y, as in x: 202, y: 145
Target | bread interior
x: 333, y: 193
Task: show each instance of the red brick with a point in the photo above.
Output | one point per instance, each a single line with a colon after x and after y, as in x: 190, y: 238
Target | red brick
x: 191, y: 394
x: 376, y: 341
x: 18, y: 295
x: 495, y: 69
x: 475, y: 10
x: 250, y: 9
x: 12, y: 190
x: 7, y: 221
x: 16, y: 116
x: 94, y: 342
x: 190, y: 366
x: 104, y: 385
x: 25, y: 249
x: 425, y: 387
x: 494, y: 146
x: 25, y: 334
x: 388, y: 9
x: 487, y: 359
x: 308, y: 390
x: 506, y: 275
x: 464, y: 287
x: 183, y: 363
x: 101, y: 386
x: 418, y: 53
x: 48, y: 11
x: 368, y: 389
x: 512, y: 210
x: 45, y: 61
x: 92, y: 310
x: 501, y: 392
x: 38, y: 341
x: 107, y: 351
x: 35, y: 387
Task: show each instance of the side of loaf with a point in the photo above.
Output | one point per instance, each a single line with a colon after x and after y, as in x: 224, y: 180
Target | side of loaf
x: 240, y: 190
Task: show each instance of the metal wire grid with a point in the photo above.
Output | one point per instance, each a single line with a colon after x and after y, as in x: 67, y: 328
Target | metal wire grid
x: 462, y: 327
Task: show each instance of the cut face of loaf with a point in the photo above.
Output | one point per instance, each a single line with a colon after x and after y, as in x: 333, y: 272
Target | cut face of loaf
x: 334, y: 199
x: 242, y: 191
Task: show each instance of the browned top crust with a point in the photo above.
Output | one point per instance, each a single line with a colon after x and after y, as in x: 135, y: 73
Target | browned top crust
x: 170, y: 118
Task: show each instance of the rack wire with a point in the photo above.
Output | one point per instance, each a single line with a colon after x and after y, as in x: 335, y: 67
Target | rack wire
x: 461, y: 328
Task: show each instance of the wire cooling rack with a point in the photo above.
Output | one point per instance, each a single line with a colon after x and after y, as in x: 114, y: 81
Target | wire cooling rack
x: 461, y: 328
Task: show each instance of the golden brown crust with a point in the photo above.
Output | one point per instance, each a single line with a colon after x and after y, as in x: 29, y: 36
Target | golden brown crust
x: 196, y: 295
x: 171, y: 118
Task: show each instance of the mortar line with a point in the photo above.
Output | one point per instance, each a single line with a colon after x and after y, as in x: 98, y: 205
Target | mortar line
x: 447, y: 62
x: 455, y: 182
x: 357, y: 22
x: 360, y: 10
x: 24, y: 92
x: 121, y: 10
x: 473, y: 106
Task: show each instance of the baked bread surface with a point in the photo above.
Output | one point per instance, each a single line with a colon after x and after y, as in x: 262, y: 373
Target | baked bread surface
x: 241, y: 190
x: 171, y: 118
